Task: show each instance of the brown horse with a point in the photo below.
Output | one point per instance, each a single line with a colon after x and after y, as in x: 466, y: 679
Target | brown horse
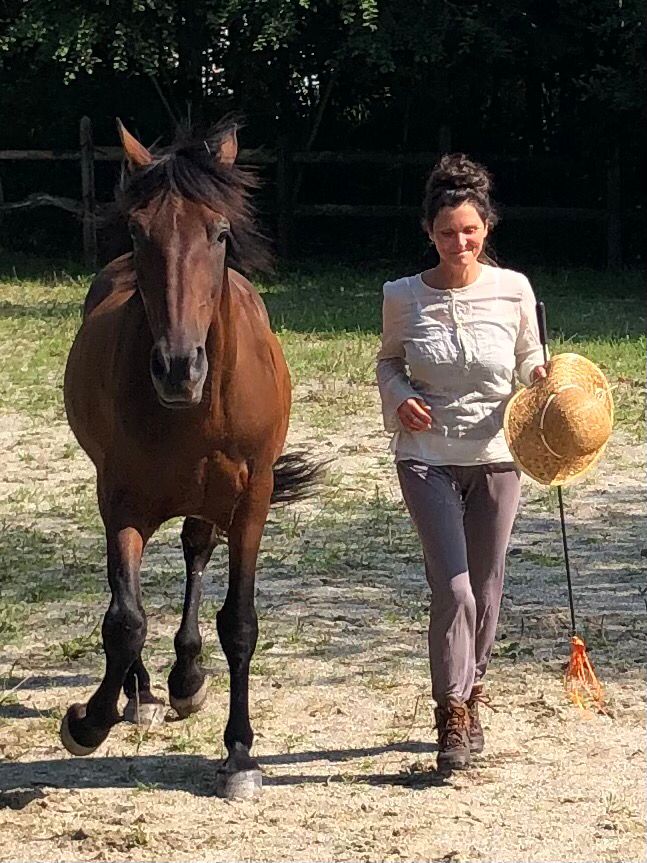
x: 178, y: 391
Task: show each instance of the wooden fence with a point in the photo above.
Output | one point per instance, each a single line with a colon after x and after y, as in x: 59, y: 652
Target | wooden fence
x: 289, y: 168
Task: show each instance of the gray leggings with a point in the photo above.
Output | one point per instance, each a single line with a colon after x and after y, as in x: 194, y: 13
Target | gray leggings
x: 464, y: 518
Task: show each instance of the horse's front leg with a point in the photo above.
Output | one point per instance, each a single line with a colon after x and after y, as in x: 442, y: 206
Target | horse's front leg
x: 240, y: 775
x: 85, y: 726
x: 186, y: 682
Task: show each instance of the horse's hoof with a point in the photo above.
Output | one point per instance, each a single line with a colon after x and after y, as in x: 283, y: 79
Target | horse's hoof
x: 186, y: 706
x: 243, y: 785
x: 144, y: 714
x: 69, y: 742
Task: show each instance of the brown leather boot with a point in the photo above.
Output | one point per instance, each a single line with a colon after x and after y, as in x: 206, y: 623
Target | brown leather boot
x: 476, y: 735
x: 453, y: 724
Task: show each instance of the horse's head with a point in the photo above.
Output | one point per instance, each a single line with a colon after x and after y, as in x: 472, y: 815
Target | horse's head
x: 179, y: 209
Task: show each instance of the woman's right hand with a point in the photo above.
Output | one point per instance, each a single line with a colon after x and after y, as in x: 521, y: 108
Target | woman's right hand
x: 415, y: 415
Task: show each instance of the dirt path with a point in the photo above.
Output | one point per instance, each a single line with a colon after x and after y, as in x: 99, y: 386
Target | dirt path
x: 340, y: 691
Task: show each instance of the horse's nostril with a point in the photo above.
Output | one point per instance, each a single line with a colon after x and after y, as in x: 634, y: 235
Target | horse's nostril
x: 199, y: 357
x: 158, y: 366
x: 178, y: 374
x: 196, y: 365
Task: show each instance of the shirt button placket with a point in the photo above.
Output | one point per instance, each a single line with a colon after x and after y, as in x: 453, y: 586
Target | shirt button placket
x: 458, y: 318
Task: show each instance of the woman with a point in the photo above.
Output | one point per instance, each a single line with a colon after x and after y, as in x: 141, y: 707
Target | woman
x: 453, y: 337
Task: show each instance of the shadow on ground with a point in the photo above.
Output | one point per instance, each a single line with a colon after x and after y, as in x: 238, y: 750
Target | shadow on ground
x: 20, y: 782
x: 342, y: 583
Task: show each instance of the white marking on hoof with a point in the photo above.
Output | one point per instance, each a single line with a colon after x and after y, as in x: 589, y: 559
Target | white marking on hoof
x: 70, y: 743
x: 144, y: 715
x: 244, y: 785
x: 186, y: 706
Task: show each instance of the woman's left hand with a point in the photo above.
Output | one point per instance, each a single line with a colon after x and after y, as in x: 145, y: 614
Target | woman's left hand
x: 538, y: 373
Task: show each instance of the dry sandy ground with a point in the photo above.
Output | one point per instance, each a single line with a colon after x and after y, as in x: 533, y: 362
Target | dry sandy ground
x: 340, y: 693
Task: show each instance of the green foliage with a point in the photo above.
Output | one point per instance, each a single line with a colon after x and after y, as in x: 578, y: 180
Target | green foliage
x: 83, y: 35
x: 543, y: 70
x: 560, y: 81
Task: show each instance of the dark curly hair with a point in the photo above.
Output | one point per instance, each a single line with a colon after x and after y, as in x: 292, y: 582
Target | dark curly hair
x: 457, y: 180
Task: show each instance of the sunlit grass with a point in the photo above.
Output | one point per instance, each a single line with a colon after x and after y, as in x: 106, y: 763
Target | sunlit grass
x: 328, y: 320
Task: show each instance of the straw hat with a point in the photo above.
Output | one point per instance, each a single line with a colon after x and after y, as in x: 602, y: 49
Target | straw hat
x: 558, y: 428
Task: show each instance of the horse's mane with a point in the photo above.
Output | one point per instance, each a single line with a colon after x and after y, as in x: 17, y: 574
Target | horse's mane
x: 189, y: 168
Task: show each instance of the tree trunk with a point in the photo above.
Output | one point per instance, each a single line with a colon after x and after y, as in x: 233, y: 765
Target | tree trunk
x: 191, y: 46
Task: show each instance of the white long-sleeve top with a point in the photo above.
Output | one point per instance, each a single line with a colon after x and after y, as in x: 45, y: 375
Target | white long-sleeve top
x: 457, y: 349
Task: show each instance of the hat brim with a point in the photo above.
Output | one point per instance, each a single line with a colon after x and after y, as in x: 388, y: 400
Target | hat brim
x: 522, y: 419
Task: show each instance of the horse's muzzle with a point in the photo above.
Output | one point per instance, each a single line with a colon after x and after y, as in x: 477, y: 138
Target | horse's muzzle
x: 178, y: 377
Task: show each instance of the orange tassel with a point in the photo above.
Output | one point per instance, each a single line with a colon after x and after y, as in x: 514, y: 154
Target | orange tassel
x: 582, y: 686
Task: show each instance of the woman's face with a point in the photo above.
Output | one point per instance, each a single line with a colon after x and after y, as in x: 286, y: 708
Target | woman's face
x: 458, y: 234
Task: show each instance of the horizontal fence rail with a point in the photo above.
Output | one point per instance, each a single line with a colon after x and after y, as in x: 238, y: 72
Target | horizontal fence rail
x: 113, y: 154
x: 525, y: 214
x: 265, y: 157
x: 288, y: 182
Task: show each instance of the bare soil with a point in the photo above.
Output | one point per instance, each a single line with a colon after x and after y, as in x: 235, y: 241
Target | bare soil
x: 340, y: 694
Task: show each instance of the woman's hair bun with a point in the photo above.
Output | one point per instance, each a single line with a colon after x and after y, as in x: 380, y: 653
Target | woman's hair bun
x: 456, y: 171
x: 458, y: 180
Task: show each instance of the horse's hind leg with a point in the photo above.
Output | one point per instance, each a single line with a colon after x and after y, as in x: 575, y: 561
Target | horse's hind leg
x: 143, y: 708
x: 85, y: 726
x: 186, y: 682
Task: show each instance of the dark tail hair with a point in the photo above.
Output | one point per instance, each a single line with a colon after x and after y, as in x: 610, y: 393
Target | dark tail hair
x: 296, y: 477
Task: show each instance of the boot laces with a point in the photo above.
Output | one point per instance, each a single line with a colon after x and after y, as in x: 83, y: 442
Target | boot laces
x: 455, y: 724
x: 479, y: 697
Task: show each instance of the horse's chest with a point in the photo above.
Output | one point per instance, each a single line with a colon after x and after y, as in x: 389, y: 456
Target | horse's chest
x: 206, y: 487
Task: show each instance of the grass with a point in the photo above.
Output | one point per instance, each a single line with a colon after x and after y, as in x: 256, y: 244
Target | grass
x: 13, y: 618
x: 77, y: 648
x: 328, y: 320
x: 52, y: 545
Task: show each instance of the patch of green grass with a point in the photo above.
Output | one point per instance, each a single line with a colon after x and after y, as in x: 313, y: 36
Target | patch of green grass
x: 79, y: 505
x: 329, y: 322
x: 9, y: 685
x: 142, y: 786
x: 13, y: 620
x: 329, y: 401
x: 83, y: 645
x: 328, y: 319
x: 512, y: 650
x: 294, y: 741
x: 38, y: 321
x: 542, y: 558
x: 186, y: 738
x: 38, y: 565
x: 385, y: 680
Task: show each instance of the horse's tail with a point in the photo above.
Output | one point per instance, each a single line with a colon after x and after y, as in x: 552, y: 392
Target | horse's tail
x: 296, y: 477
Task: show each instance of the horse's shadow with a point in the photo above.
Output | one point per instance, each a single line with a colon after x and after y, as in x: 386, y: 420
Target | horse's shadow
x: 19, y: 711
x: 20, y: 782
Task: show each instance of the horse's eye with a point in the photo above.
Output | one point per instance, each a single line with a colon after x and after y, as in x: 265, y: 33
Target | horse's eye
x: 136, y: 229
x: 218, y: 232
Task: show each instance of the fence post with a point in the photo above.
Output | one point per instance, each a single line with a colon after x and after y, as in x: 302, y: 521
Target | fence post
x: 614, y: 210
x: 88, y: 195
x: 284, y: 196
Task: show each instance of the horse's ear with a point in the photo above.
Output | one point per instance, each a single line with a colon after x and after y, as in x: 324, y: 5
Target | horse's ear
x: 228, y: 148
x: 136, y: 154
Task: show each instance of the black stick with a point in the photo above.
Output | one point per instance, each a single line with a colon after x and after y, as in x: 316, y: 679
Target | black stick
x: 543, y: 336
